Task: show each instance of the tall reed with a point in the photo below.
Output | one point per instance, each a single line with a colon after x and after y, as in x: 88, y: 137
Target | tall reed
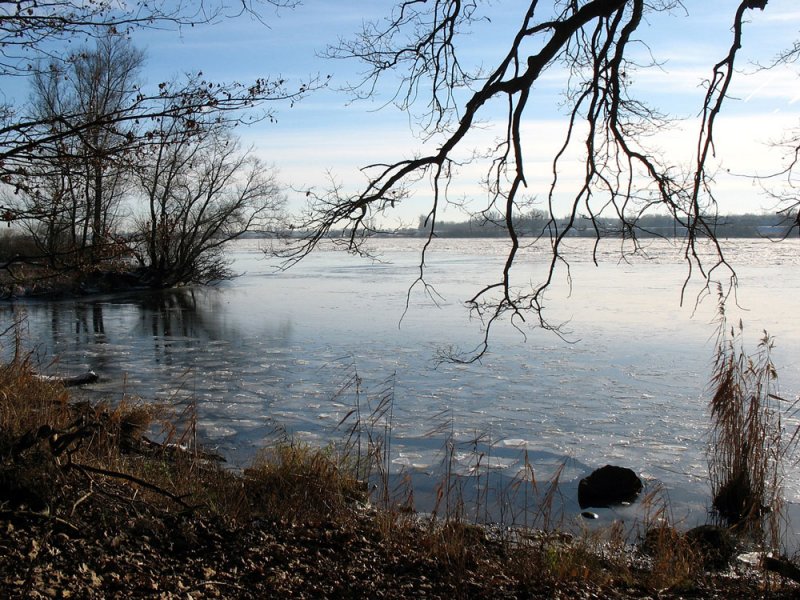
x: 368, y: 425
x: 748, y: 446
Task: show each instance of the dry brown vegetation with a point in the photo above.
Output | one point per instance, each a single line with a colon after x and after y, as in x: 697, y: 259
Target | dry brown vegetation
x: 90, y: 507
x: 750, y: 443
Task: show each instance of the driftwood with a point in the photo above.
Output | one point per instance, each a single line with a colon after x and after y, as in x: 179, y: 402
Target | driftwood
x: 782, y: 567
x: 71, y: 380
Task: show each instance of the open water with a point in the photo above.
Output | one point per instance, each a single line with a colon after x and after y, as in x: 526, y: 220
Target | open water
x: 278, y: 350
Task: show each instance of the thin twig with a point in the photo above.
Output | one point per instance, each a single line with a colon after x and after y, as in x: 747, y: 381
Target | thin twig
x: 132, y: 479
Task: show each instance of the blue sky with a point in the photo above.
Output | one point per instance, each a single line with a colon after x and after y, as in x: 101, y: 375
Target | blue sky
x: 325, y: 134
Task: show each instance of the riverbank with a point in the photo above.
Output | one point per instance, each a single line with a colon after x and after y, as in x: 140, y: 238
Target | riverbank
x: 107, y: 550
x: 92, y: 508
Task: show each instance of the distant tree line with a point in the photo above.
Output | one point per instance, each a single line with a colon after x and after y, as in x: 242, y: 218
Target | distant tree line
x: 536, y: 223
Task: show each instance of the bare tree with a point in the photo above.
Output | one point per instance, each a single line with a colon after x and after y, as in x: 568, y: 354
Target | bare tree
x: 201, y: 191
x: 35, y: 32
x: 783, y: 185
x: 69, y: 157
x: 77, y: 182
x: 594, y: 42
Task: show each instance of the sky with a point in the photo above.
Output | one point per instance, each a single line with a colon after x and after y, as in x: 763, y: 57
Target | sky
x: 327, y: 136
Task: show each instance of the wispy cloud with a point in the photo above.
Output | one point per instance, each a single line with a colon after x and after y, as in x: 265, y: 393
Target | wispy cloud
x: 744, y: 148
x: 781, y: 16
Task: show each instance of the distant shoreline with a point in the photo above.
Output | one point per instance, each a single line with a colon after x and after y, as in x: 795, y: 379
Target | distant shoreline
x: 770, y: 226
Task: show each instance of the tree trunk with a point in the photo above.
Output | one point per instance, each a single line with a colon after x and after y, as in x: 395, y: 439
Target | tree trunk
x: 97, y: 226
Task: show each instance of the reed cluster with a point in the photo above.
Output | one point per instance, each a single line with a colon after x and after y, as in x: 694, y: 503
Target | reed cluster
x: 750, y: 440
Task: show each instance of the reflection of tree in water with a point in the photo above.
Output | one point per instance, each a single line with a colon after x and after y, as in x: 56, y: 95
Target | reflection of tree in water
x: 175, y: 312
x: 87, y: 329
x: 179, y: 347
x: 84, y: 322
x: 182, y: 321
x: 177, y: 323
x: 161, y: 314
x: 112, y: 335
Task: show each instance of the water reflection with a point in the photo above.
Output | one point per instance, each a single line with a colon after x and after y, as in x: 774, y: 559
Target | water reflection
x: 178, y: 313
x: 81, y: 321
x: 143, y: 335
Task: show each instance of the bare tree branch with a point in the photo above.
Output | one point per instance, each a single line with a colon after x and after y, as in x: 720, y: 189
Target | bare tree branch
x: 593, y: 41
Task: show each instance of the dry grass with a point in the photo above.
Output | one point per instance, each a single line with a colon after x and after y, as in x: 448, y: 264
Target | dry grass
x: 27, y: 402
x: 298, y: 482
x: 673, y: 562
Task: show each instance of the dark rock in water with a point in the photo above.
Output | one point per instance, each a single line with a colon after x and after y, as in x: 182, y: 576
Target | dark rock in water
x: 607, y: 486
x: 82, y: 379
x: 715, y: 545
x: 736, y: 501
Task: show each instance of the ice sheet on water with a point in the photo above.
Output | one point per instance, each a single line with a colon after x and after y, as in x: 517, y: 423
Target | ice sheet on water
x: 628, y: 389
x: 217, y: 430
x: 470, y: 463
x: 306, y: 436
x: 412, y: 460
x: 514, y: 443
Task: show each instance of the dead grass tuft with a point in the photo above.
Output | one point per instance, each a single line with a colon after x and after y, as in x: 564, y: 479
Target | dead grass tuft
x: 28, y: 402
x: 294, y: 481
